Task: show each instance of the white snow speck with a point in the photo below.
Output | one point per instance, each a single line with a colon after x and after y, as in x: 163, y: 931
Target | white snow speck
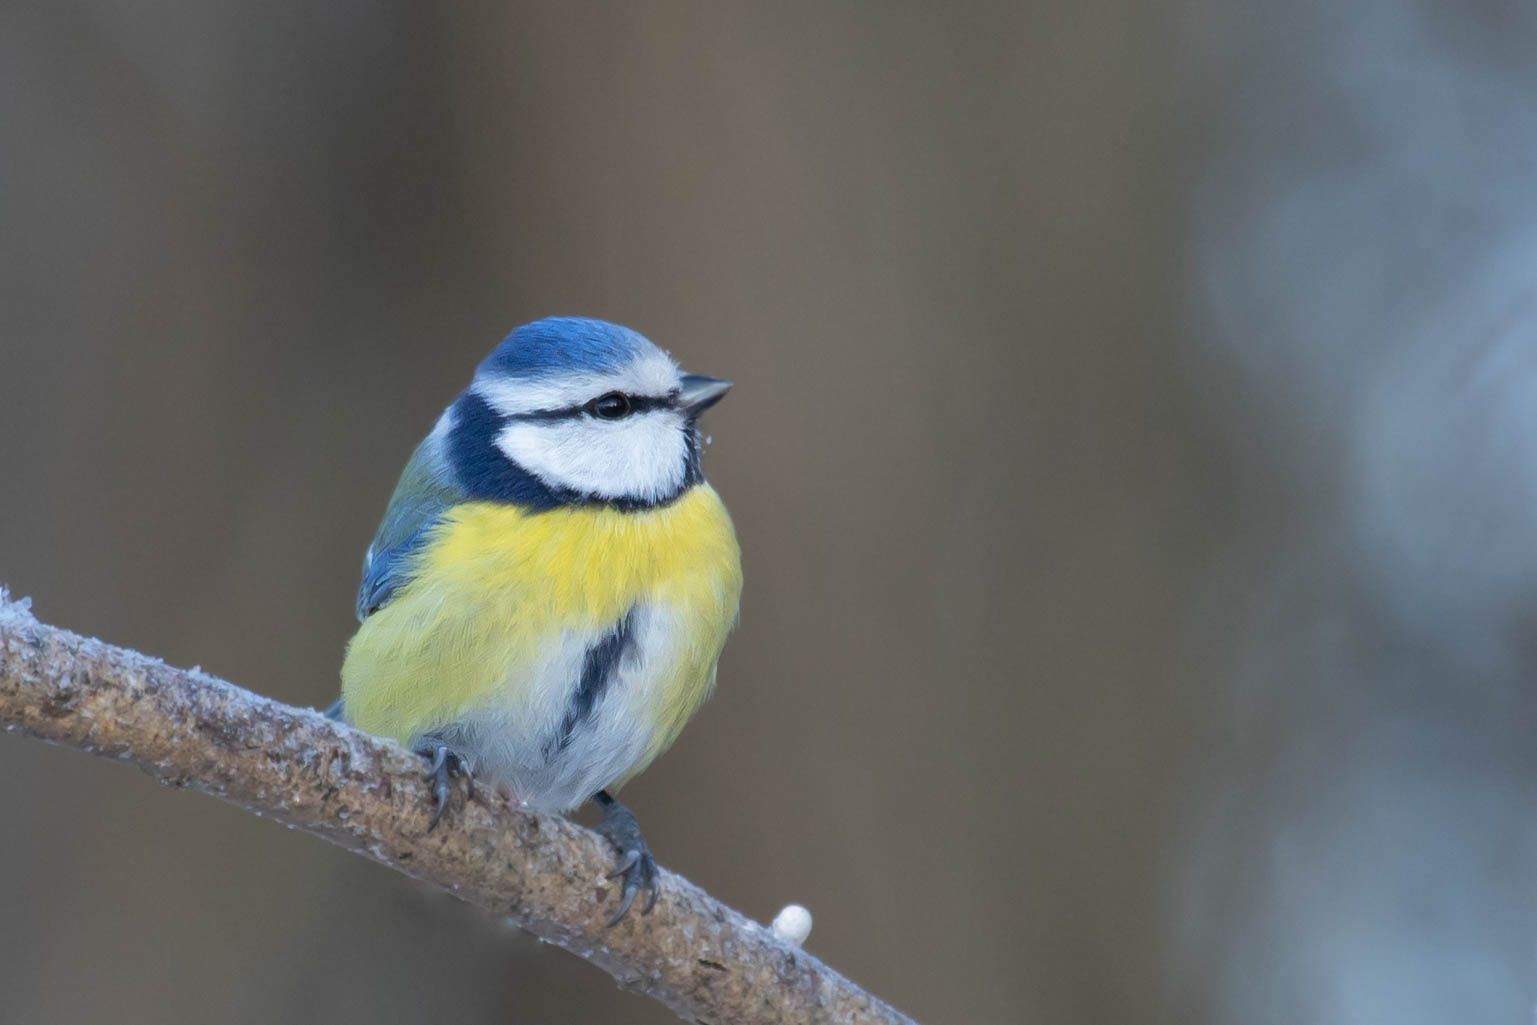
x: 792, y: 924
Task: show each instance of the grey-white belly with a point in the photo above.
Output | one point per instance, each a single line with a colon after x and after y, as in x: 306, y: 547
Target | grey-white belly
x: 581, y: 719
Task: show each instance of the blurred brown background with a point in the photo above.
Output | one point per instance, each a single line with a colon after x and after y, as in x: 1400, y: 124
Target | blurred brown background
x: 1130, y: 453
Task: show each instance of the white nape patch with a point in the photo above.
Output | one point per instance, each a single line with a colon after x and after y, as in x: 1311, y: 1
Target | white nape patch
x: 651, y: 373
x: 642, y: 457
x: 441, y: 430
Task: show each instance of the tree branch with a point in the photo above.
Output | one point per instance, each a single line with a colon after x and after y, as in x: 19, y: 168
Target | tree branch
x: 187, y: 729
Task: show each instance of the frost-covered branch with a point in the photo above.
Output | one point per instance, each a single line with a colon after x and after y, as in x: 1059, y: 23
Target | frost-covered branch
x: 187, y: 729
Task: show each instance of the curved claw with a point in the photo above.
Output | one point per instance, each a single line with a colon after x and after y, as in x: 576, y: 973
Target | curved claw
x: 439, y: 803
x: 636, y: 865
x: 639, y: 871
x: 444, y: 766
x: 439, y: 762
x: 631, y: 888
x: 631, y: 859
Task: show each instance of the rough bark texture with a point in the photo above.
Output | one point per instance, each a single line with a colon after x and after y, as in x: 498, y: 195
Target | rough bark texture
x: 187, y: 729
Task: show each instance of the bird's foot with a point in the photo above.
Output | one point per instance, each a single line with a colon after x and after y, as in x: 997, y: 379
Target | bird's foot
x: 444, y: 766
x: 636, y: 865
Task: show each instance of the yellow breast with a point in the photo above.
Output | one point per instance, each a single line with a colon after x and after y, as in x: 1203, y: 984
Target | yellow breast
x: 497, y: 588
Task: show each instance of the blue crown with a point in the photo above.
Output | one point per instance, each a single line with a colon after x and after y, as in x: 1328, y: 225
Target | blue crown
x: 563, y: 344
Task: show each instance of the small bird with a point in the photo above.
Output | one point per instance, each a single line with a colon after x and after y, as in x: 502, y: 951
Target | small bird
x: 545, y: 601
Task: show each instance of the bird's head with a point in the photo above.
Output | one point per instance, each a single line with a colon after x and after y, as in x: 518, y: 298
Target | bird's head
x: 574, y: 410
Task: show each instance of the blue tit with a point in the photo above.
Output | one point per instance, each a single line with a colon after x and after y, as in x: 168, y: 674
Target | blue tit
x: 546, y: 599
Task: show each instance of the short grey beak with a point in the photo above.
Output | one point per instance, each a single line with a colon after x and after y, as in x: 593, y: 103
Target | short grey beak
x: 699, y: 393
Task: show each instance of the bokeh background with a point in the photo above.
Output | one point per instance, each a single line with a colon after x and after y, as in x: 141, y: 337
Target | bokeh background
x: 1132, y: 452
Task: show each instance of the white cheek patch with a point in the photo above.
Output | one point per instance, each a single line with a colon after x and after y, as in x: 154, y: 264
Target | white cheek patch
x: 652, y: 373
x: 641, y: 457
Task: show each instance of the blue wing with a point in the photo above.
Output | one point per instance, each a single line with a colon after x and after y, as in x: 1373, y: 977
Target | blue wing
x: 427, y: 488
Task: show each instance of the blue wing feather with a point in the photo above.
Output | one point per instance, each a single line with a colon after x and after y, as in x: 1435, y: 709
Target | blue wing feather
x: 426, y: 490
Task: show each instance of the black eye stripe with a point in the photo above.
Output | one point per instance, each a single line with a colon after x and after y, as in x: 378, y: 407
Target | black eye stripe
x: 638, y: 404
x: 645, y: 403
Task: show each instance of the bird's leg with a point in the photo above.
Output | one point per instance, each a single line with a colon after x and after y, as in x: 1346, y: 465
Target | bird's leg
x: 444, y: 766
x: 636, y: 865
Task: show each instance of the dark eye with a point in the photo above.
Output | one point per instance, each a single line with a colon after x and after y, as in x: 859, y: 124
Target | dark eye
x: 611, y: 406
